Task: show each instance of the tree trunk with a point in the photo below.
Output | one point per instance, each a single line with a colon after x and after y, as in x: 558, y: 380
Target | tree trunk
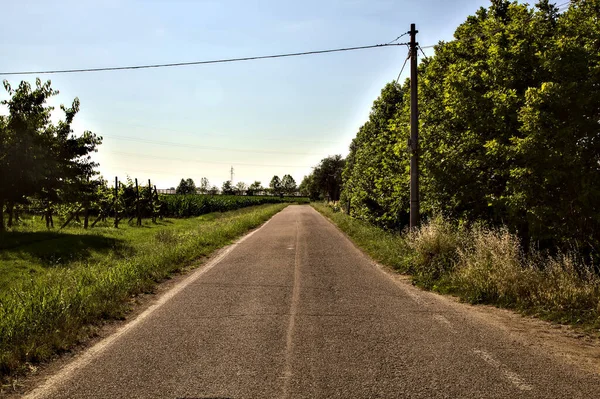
x: 9, y: 209
x: 49, y: 220
x: 1, y: 214
x: 86, y: 217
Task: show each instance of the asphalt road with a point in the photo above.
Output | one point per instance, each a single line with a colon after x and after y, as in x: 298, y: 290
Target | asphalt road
x: 296, y: 311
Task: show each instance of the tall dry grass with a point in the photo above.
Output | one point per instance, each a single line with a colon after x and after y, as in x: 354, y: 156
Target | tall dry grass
x: 484, y: 265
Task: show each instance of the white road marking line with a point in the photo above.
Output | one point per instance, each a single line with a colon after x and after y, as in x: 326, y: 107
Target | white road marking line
x: 513, y: 377
x: 287, y: 371
x: 51, y: 384
x: 445, y: 321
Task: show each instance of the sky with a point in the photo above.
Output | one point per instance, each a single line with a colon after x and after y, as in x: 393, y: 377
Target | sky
x: 263, y: 118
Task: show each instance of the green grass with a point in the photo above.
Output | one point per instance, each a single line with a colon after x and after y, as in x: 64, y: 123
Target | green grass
x: 57, y: 284
x: 482, y: 265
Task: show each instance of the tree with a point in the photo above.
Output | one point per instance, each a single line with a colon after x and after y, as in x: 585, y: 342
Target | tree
x: 275, y: 185
x: 39, y: 159
x: 241, y: 188
x: 288, y: 184
x: 204, y: 185
x: 308, y: 188
x: 186, y: 186
x: 214, y: 190
x: 328, y: 176
x: 254, y: 188
x: 375, y: 174
x: 23, y: 156
x: 227, y: 188
x: 509, y: 130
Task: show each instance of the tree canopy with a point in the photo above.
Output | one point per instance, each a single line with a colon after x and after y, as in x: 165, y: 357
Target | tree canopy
x: 326, y: 179
x: 39, y: 159
x: 509, y: 128
x: 186, y: 186
x: 288, y: 184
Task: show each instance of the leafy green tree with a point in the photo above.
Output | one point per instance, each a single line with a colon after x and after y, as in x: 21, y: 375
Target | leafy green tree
x: 240, y: 188
x: 328, y: 176
x: 275, y: 185
x: 508, y: 128
x: 24, y: 160
x: 37, y: 158
x: 204, y: 185
x: 375, y: 174
x: 288, y: 184
x: 254, y: 188
x: 227, y: 188
x: 186, y: 186
x: 308, y: 188
x: 554, y: 184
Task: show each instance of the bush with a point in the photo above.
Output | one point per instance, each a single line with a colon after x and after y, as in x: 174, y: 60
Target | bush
x: 435, y: 248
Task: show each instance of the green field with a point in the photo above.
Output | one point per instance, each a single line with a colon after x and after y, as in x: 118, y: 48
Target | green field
x: 55, y: 284
x: 196, y: 204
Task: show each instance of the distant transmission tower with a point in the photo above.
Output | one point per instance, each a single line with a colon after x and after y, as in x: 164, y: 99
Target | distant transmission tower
x: 231, y: 175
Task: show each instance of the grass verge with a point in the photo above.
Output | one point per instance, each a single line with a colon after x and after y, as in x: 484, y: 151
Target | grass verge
x: 51, y: 309
x: 482, y: 265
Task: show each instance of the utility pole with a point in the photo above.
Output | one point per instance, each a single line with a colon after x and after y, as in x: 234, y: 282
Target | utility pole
x: 414, y: 131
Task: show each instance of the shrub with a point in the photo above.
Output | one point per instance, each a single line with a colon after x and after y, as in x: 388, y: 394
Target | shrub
x: 434, y: 248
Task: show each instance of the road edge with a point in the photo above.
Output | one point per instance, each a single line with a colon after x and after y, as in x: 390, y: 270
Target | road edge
x: 46, y: 385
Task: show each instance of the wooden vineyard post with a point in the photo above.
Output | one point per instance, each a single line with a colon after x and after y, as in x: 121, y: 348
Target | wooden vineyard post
x: 137, y: 203
x: 156, y: 196
x: 115, y: 202
x: 150, y: 202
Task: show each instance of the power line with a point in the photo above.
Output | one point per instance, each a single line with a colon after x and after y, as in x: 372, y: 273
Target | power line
x: 398, y: 38
x: 403, y: 65
x: 160, y: 129
x: 220, y: 61
x: 137, y: 155
x: 169, y: 143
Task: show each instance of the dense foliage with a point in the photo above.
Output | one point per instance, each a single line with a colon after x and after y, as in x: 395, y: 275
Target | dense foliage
x: 42, y: 160
x: 196, y: 205
x: 509, y: 128
x: 186, y: 186
x: 325, y: 181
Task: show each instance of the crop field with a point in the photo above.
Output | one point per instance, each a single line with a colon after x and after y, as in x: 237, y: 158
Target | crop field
x: 196, y: 205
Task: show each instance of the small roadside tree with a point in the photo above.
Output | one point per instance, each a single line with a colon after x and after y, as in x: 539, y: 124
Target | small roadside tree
x: 227, y: 188
x: 308, y: 188
x: 288, y: 185
x: 204, y: 185
x: 254, y: 188
x: 241, y: 188
x: 186, y: 186
x: 275, y: 185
